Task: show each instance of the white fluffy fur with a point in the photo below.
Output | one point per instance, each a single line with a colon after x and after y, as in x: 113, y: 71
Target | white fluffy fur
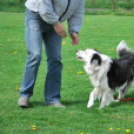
x: 98, y: 75
x: 122, y: 45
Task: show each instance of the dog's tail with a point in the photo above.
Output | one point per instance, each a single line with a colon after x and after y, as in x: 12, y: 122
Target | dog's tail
x: 123, y: 49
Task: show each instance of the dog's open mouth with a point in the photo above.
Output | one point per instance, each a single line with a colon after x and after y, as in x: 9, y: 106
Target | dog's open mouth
x: 79, y: 58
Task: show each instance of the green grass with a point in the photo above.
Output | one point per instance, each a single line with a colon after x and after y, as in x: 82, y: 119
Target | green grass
x: 98, y: 7
x: 100, y: 32
x: 127, y: 4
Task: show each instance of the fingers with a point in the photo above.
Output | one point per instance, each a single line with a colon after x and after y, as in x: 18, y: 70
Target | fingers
x: 75, y: 39
x: 60, y: 30
x: 63, y: 34
x: 75, y: 42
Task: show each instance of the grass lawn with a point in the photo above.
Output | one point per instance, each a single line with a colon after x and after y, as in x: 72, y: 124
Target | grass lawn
x: 100, y: 32
x: 93, y: 7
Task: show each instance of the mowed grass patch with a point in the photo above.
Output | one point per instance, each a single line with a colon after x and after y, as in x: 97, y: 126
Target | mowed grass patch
x: 98, y: 32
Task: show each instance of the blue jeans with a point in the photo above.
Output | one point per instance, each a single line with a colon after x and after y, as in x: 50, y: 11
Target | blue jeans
x: 37, y: 31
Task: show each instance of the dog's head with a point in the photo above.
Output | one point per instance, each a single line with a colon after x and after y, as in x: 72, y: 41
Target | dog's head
x: 94, y: 61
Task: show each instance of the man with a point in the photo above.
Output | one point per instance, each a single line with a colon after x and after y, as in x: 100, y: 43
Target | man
x: 43, y: 22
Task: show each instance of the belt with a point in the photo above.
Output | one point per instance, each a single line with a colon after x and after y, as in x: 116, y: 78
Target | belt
x: 35, y: 12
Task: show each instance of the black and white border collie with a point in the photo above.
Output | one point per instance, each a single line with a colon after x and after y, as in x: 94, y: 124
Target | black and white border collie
x: 108, y: 75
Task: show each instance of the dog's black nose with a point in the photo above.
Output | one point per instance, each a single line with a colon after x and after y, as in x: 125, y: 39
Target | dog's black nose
x: 77, y: 51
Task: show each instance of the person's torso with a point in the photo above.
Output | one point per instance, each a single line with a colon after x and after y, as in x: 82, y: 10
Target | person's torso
x: 59, y: 7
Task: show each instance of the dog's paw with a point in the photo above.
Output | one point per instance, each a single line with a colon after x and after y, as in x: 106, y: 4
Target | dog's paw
x: 101, y: 107
x: 90, y: 105
x: 116, y: 100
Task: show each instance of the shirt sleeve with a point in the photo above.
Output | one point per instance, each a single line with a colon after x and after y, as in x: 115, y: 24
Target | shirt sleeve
x: 46, y: 11
x: 75, y: 21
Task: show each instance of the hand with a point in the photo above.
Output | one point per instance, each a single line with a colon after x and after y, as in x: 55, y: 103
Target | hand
x: 60, y: 30
x: 75, y: 39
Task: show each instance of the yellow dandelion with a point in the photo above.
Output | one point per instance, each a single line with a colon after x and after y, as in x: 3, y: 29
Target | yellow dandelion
x: 63, y: 43
x: 127, y: 130
x: 18, y: 40
x: 117, y: 35
x: 133, y: 9
x: 81, y: 133
x: 80, y: 72
x: 110, y: 128
x: 34, y: 127
x: 112, y: 116
x: 17, y: 88
x: 118, y: 129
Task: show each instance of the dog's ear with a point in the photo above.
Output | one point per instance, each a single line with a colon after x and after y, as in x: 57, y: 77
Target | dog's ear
x: 96, y: 60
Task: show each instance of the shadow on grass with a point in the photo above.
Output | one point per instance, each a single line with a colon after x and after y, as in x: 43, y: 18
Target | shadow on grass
x: 36, y: 104
x: 33, y: 104
x: 82, y: 103
x: 120, y: 103
x: 71, y: 103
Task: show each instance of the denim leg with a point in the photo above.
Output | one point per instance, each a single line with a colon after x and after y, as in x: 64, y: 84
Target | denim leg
x: 34, y: 47
x: 54, y: 66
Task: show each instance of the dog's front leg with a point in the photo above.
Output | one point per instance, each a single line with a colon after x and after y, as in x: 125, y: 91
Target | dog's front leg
x: 107, y: 98
x: 103, y: 101
x: 93, y: 97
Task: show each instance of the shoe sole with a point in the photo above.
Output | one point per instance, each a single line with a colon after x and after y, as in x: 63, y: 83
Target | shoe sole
x: 23, y: 106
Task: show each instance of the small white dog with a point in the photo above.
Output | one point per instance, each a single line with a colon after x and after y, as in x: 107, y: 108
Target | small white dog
x: 108, y: 75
